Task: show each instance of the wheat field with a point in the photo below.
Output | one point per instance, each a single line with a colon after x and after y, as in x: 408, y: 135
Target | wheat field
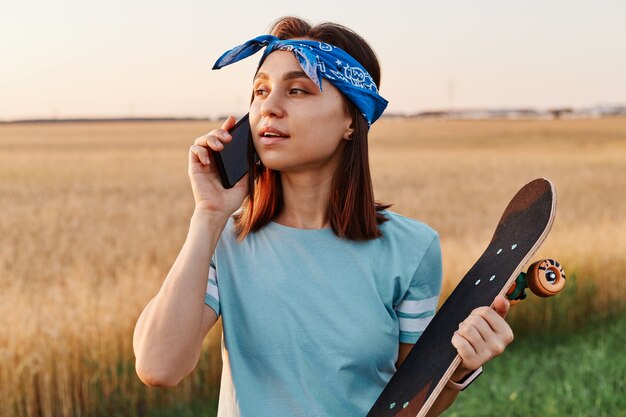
x: 93, y: 215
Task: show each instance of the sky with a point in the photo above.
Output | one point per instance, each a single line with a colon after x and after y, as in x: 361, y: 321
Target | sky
x: 133, y: 58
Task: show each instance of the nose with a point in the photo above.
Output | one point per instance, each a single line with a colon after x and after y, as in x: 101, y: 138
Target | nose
x: 272, y: 106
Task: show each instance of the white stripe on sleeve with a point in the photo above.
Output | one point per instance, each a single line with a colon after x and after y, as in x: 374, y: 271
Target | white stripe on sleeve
x: 213, y: 291
x: 212, y: 274
x: 414, y: 325
x: 418, y: 307
x: 211, y: 287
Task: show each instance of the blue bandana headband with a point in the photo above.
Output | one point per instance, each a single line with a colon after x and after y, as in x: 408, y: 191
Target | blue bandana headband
x: 319, y: 59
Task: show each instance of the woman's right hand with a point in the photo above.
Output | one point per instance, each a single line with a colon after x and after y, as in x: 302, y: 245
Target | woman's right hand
x: 208, y: 192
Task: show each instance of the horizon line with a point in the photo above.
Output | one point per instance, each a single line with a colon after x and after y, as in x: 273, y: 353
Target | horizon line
x: 486, y: 113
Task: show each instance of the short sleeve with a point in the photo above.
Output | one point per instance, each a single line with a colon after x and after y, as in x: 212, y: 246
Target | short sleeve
x: 419, y: 304
x: 212, y: 296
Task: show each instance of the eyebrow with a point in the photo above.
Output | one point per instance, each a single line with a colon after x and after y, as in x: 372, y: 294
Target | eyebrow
x: 288, y: 76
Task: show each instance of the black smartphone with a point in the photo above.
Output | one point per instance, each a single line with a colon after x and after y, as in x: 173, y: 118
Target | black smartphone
x: 238, y: 155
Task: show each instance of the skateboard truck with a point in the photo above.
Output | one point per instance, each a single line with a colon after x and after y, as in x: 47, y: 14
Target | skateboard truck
x: 545, y: 278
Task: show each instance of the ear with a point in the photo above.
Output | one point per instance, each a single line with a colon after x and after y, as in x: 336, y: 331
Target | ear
x: 349, y: 132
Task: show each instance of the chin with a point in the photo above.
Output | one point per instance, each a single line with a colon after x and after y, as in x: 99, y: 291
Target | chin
x: 274, y: 163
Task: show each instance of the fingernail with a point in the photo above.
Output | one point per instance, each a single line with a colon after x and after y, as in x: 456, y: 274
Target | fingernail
x: 217, y: 143
x: 225, y: 135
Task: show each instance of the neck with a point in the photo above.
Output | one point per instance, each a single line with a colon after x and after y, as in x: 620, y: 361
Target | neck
x: 305, y: 200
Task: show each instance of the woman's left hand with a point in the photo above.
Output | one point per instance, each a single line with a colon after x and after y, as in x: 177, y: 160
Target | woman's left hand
x: 482, y: 336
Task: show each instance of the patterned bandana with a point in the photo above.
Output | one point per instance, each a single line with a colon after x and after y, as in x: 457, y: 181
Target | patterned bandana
x: 319, y: 59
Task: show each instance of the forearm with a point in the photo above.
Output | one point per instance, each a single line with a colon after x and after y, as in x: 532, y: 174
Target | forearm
x: 443, y: 402
x: 448, y: 395
x: 168, y: 333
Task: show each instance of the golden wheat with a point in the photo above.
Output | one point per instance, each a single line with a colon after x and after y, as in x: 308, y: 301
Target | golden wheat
x: 93, y: 215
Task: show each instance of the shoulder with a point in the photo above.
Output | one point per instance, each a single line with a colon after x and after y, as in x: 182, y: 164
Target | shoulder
x: 229, y: 228
x: 399, y: 227
x: 410, y: 241
x: 228, y: 237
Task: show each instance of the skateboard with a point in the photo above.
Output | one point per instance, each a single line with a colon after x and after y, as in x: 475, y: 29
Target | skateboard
x: 522, y: 229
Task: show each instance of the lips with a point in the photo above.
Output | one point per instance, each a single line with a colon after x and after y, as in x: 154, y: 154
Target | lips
x: 269, y: 135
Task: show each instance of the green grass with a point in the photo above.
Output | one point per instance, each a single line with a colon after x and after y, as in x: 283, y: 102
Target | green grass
x: 578, y: 374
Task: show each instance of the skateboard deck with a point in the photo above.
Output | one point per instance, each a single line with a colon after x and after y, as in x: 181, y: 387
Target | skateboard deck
x: 432, y: 360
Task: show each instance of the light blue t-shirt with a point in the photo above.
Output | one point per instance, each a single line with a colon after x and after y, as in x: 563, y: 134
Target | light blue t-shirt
x: 311, y: 322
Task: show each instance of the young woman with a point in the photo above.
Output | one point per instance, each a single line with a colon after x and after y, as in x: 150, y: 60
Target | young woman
x: 322, y: 291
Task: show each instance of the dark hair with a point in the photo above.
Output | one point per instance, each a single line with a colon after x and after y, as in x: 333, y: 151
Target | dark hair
x: 352, y: 210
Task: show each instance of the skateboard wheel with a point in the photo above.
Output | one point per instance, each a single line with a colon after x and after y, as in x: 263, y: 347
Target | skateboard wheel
x: 546, y: 277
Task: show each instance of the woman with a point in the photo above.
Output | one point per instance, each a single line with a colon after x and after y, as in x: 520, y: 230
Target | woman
x: 322, y: 291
